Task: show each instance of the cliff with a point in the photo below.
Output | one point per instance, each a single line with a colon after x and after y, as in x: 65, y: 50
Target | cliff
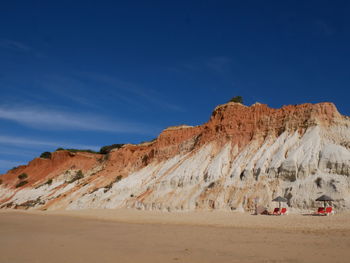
x: 240, y: 154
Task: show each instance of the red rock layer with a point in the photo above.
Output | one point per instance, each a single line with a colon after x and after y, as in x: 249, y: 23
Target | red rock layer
x: 229, y: 122
x: 40, y: 169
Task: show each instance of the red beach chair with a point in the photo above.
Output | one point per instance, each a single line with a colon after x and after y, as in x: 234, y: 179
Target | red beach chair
x: 323, y: 212
x: 276, y: 211
x: 320, y: 211
x: 329, y: 211
x: 284, y: 211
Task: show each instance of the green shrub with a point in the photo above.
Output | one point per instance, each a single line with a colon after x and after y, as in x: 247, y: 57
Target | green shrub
x: 80, y: 174
x: 77, y: 176
x: 49, y: 182
x: 46, y: 155
x: 0, y: 181
x: 81, y: 150
x: 106, y: 149
x: 22, y: 176
x: 109, y: 186
x: 59, y: 149
x: 118, y: 178
x: 237, y: 99
x: 21, y: 183
x: 76, y: 150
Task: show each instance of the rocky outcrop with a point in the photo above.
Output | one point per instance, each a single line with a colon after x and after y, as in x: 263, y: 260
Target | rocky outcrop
x: 242, y: 154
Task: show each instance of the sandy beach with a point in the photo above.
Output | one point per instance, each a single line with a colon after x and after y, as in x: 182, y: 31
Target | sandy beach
x: 143, y: 236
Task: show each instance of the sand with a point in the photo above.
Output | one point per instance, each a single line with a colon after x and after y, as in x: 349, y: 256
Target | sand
x: 140, y: 236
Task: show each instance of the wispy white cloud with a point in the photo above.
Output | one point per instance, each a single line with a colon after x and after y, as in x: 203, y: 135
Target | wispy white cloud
x: 71, y: 89
x: 93, y: 89
x: 35, y: 143
x: 6, y: 164
x: 24, y: 149
x: 8, y: 150
x: 14, y: 45
x: 46, y: 119
x: 121, y: 88
x: 19, y: 46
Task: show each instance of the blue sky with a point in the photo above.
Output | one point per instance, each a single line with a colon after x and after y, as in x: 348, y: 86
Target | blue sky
x: 84, y: 75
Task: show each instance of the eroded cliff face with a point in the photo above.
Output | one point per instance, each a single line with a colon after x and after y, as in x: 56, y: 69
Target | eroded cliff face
x: 240, y: 154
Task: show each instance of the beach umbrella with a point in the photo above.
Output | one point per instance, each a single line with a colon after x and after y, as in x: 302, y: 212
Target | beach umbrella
x: 279, y: 199
x: 324, y: 199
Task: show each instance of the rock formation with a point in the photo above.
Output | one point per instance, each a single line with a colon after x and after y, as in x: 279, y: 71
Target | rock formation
x: 240, y: 154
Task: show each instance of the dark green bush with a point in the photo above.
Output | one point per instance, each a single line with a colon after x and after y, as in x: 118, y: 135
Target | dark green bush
x: 237, y: 99
x: 22, y: 176
x: 106, y: 149
x: 59, y: 149
x: 80, y: 174
x: 76, y: 150
x: 49, y: 182
x: 77, y: 176
x: 109, y: 186
x: 21, y: 183
x: 118, y: 178
x: 81, y: 150
x: 46, y: 155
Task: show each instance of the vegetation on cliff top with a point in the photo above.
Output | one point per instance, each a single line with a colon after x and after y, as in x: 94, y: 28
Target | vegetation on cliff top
x: 21, y: 183
x: 45, y: 155
x: 106, y: 149
x: 76, y: 150
x: 22, y: 176
x: 237, y: 99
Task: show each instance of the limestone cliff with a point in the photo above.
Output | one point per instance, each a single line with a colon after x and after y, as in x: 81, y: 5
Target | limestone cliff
x: 241, y: 153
